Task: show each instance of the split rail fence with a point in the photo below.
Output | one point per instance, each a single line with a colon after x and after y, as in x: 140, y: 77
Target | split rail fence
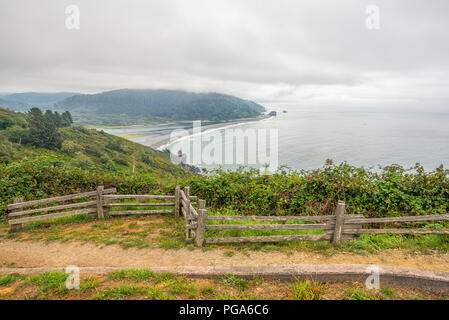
x: 102, y: 202
x: 105, y: 202
x: 335, y: 228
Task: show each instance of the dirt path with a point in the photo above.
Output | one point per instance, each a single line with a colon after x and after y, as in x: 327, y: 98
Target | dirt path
x: 39, y: 254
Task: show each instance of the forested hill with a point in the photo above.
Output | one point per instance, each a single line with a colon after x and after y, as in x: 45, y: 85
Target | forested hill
x: 42, y: 155
x: 12, y: 105
x: 123, y: 107
x: 26, y: 100
x: 39, y: 99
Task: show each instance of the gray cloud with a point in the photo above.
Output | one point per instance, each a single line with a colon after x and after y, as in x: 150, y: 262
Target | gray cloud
x: 309, y: 51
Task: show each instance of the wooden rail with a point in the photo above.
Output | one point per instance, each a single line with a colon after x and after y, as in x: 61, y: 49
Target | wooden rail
x: 336, y: 228
x: 103, y: 204
x: 17, y: 212
x: 142, y: 207
x: 188, y: 211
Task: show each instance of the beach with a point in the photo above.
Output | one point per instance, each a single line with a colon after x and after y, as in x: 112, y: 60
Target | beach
x: 158, y: 141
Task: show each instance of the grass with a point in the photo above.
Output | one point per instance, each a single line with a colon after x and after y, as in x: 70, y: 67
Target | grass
x: 89, y: 284
x: 146, y: 284
x: 158, y: 231
x: 133, y: 274
x: 50, y: 282
x: 357, y: 292
x: 164, y: 231
x: 9, y: 279
x: 307, y: 290
x: 119, y: 292
x: 235, y: 281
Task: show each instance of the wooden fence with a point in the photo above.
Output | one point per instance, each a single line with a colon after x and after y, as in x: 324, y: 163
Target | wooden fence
x: 36, y: 208
x: 190, y: 213
x: 102, y: 202
x: 336, y: 228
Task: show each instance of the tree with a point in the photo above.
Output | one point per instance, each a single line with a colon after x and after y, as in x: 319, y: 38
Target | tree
x: 67, y: 119
x: 43, y: 132
x: 59, y: 120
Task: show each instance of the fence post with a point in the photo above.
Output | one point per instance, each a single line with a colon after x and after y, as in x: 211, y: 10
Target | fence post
x: 339, y: 222
x: 17, y: 227
x: 177, y: 195
x: 100, y: 212
x: 187, y: 208
x: 201, y: 223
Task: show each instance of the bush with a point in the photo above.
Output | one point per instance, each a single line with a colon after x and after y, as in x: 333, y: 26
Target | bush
x: 393, y: 191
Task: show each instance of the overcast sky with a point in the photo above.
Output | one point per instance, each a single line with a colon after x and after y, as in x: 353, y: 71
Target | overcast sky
x: 313, y: 52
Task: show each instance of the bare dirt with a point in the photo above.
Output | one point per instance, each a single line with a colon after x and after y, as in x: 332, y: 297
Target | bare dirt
x: 31, y: 254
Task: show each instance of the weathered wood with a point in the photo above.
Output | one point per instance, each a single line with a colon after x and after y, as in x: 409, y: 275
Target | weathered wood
x: 200, y: 230
x: 302, y: 237
x: 187, y: 207
x: 137, y: 196
x: 396, y: 231
x: 183, y: 212
x: 193, y: 212
x: 183, y: 195
x: 339, y: 220
x: 58, y: 199
x: 54, y: 208
x: 140, y: 204
x: 185, y: 204
x: 269, y: 227
x: 52, y: 216
x: 192, y: 226
x: 100, y: 213
x: 177, y: 200
x: 276, y: 218
x: 137, y: 212
x: 19, y: 226
x: 400, y: 219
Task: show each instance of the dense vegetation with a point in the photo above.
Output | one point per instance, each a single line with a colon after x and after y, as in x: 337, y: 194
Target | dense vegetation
x: 393, y: 191
x: 87, y: 158
x: 84, y: 159
x: 126, y: 107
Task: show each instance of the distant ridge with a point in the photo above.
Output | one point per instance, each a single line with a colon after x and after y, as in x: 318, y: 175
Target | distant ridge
x: 12, y: 105
x: 38, y: 99
x: 126, y: 106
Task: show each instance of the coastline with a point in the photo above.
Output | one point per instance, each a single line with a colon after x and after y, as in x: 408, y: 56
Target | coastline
x: 163, y: 141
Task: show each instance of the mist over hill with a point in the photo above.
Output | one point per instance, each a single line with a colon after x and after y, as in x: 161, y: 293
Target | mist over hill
x: 25, y: 100
x: 39, y: 98
x: 12, y: 105
x: 124, y: 107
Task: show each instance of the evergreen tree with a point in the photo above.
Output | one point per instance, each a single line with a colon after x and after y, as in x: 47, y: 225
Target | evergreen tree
x: 66, y: 119
x: 43, y: 132
x: 49, y: 114
x: 58, y: 120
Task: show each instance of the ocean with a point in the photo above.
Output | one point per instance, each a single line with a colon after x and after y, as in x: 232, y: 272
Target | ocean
x: 307, y: 136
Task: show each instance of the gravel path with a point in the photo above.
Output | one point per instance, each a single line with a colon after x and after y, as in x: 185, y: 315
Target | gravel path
x: 39, y: 254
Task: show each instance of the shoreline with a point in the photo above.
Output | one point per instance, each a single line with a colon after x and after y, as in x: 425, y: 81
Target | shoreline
x: 159, y: 142
x: 164, y: 140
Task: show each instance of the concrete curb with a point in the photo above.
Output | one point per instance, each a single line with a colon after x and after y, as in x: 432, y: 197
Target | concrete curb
x: 434, y: 281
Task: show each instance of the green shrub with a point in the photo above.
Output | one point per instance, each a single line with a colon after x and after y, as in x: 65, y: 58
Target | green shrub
x: 392, y: 191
